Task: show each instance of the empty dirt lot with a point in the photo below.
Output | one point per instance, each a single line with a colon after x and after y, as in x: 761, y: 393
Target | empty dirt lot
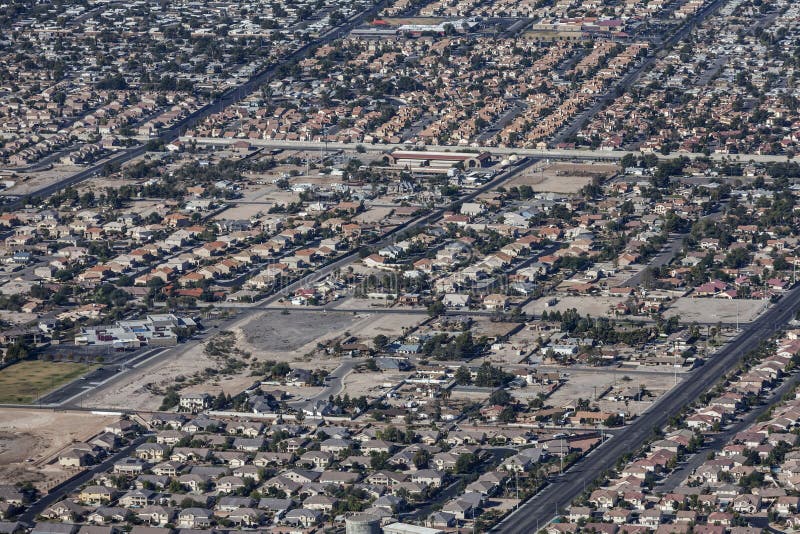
x: 586, y: 305
x: 563, y: 177
x: 268, y: 335
x: 39, y: 435
x: 275, y: 332
x: 586, y: 383
x: 708, y: 310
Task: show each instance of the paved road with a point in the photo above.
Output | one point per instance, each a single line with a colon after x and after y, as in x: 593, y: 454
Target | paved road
x: 542, y: 508
x: 227, y: 99
x: 502, y: 121
x: 97, y: 378
x: 334, y: 385
x: 716, y: 442
x: 69, y: 401
x: 550, y: 153
x: 673, y: 246
x: 59, y: 492
x: 668, y: 252
x: 712, y: 71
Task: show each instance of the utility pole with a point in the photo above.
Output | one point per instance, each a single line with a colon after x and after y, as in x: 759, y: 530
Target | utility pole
x: 325, y: 133
x: 473, y: 520
x: 675, y: 361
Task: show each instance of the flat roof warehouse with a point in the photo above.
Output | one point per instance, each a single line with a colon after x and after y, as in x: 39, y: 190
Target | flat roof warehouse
x: 470, y: 160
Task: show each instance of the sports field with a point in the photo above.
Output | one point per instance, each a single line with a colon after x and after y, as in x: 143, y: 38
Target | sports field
x: 25, y: 381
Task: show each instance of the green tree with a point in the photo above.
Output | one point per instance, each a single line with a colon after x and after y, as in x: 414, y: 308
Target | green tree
x: 508, y: 415
x: 466, y: 463
x: 421, y: 459
x: 500, y: 397
x: 379, y: 460
x: 381, y: 342
x: 436, y: 309
x: 171, y: 399
x: 464, y: 377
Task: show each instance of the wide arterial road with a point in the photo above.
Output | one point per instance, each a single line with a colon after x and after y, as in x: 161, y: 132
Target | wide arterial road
x: 553, y: 499
x: 226, y: 99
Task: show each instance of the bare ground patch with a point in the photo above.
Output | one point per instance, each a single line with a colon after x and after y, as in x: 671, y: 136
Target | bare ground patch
x: 710, y: 310
x: 268, y: 335
x: 563, y: 177
x: 39, y: 435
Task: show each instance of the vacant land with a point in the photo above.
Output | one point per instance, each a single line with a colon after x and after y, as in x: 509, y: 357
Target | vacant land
x: 371, y: 384
x: 17, y: 317
x: 276, y: 332
x: 373, y: 215
x: 30, y: 182
x: 563, y: 177
x: 587, y: 305
x: 24, y: 382
x: 268, y: 335
x: 593, y: 383
x: 706, y: 310
x: 30, y: 440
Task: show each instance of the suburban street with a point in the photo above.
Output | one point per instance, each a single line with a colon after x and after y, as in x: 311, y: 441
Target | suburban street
x: 667, y: 253
x: 552, y: 500
x: 57, y: 493
x: 228, y: 98
x: 715, y: 442
x: 672, y: 247
x: 333, y: 382
x: 71, y: 394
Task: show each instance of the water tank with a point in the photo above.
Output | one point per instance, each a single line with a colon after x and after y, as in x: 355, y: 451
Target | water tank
x: 363, y: 524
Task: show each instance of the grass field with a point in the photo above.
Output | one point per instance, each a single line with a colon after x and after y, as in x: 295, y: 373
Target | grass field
x: 23, y: 382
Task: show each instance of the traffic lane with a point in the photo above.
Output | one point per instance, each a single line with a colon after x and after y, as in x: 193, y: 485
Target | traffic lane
x: 334, y: 382
x: 634, y: 435
x: 95, y: 379
x: 230, y: 97
x: 565, y: 489
x: 664, y: 257
x: 80, y: 385
x: 58, y: 493
x: 719, y: 440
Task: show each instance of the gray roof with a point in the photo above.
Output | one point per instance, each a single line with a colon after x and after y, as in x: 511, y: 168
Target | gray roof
x: 275, y: 505
x: 54, y: 528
